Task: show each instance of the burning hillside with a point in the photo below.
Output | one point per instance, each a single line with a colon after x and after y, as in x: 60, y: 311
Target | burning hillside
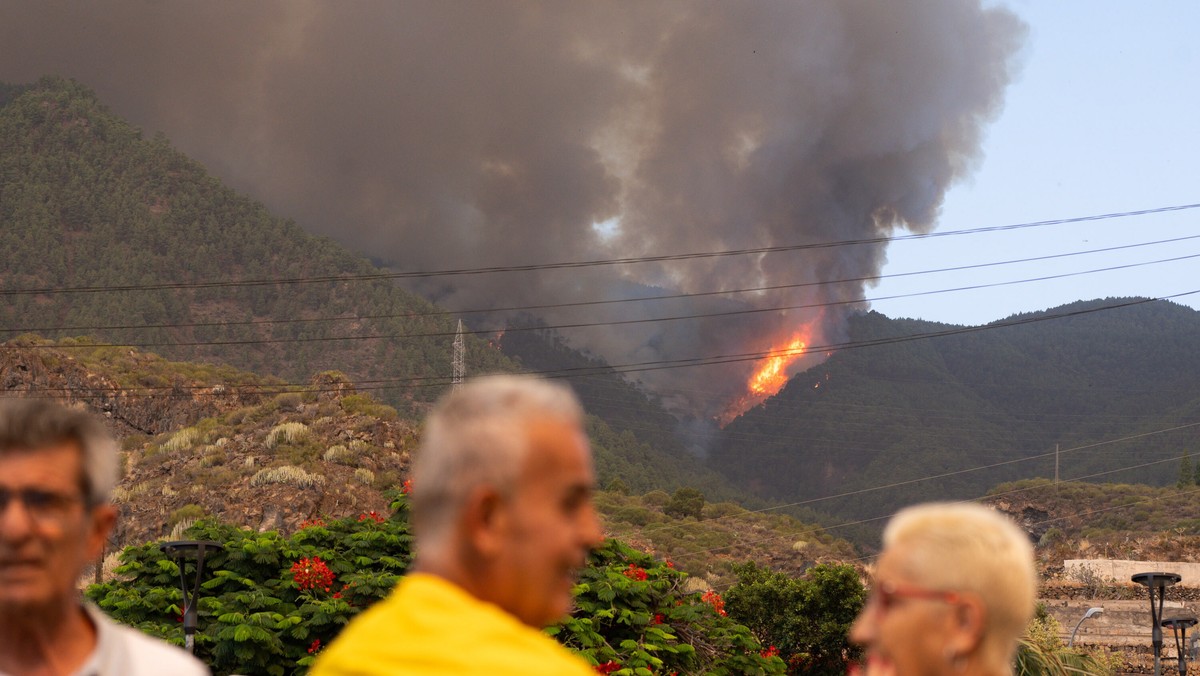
x: 442, y: 136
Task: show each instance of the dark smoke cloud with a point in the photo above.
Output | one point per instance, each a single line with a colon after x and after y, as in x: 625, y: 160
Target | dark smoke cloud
x: 441, y: 134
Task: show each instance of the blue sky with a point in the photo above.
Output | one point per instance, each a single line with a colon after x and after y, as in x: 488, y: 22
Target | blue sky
x: 1102, y: 118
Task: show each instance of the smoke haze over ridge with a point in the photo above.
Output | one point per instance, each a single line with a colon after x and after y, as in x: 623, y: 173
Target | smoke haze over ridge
x: 455, y: 134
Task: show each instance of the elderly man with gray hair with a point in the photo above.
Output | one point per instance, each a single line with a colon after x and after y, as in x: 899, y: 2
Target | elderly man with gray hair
x: 57, y: 468
x: 503, y: 514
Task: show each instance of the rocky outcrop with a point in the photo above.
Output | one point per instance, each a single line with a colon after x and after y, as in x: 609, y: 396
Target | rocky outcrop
x: 29, y: 368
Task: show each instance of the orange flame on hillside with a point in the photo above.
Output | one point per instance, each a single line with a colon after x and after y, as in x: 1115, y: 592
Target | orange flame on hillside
x: 769, y: 377
x: 772, y: 374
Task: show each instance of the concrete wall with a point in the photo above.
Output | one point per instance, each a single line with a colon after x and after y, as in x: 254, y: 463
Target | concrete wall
x: 1122, y: 571
x: 1127, y: 622
x: 1123, y: 623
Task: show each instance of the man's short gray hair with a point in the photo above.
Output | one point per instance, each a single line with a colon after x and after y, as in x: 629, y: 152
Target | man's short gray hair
x: 478, y: 435
x: 32, y: 425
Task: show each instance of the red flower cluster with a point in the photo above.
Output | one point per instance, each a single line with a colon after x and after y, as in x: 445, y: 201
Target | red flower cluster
x: 658, y: 618
x: 312, y: 522
x: 372, y: 515
x: 714, y: 599
x: 316, y: 645
x: 312, y: 574
x: 634, y: 573
x: 770, y: 652
x: 608, y: 667
x: 406, y: 487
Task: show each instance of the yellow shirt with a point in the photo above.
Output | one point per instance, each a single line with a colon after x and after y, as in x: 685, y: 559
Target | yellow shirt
x: 429, y: 626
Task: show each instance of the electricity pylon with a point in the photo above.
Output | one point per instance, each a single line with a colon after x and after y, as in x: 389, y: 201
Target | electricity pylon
x: 458, y: 363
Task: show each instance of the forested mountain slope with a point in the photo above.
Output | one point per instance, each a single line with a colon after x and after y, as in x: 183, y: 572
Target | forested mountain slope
x: 152, y: 242
x: 977, y: 408
x: 106, y: 234
x: 648, y: 448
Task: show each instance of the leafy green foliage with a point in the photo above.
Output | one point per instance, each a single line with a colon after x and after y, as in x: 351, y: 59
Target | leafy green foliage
x: 685, y: 502
x: 634, y: 615
x: 357, y: 403
x: 807, y: 619
x: 1042, y: 653
x: 254, y: 617
x: 1035, y: 660
x: 272, y: 601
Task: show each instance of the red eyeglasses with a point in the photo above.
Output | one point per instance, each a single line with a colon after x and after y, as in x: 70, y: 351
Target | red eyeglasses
x: 885, y: 594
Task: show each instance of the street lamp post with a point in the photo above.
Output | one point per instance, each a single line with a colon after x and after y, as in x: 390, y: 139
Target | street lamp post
x: 183, y: 551
x: 1091, y: 612
x: 1157, y: 584
x: 1179, y: 626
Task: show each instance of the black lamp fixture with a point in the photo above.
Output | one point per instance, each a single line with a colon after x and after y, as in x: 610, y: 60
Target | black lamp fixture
x: 1157, y: 583
x: 183, y: 551
x: 1179, y: 626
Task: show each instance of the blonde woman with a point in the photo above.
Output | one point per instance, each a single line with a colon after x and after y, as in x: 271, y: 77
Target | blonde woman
x: 953, y: 590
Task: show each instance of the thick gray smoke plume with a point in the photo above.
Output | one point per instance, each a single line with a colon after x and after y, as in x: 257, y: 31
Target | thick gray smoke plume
x: 453, y: 134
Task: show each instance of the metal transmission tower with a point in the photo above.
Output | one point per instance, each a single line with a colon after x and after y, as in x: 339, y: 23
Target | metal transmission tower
x: 458, y: 363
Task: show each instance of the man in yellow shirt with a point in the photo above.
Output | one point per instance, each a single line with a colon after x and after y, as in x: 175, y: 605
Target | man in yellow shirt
x: 503, y: 515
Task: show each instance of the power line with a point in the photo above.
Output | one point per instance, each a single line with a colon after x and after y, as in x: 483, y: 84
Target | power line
x: 859, y: 522
x: 662, y: 364
x: 581, y: 264
x: 1074, y: 515
x: 944, y: 475
x: 591, y: 303
x: 618, y: 322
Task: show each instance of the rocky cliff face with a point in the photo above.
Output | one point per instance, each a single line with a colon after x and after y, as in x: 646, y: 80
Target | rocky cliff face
x: 37, y: 370
x: 206, y: 441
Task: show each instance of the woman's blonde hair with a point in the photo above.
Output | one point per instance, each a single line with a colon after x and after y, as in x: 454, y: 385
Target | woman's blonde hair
x: 966, y: 547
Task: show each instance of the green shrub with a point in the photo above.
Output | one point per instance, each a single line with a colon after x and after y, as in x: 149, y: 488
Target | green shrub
x: 1051, y: 536
x: 212, y: 456
x: 253, y: 617
x: 303, y: 452
x: 361, y: 404
x: 685, y: 502
x: 638, y: 516
x: 289, y: 401
x: 807, y: 619
x: 185, y: 513
x: 723, y: 509
x: 631, y: 611
x: 656, y: 498
x: 617, y: 486
x: 1041, y: 652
